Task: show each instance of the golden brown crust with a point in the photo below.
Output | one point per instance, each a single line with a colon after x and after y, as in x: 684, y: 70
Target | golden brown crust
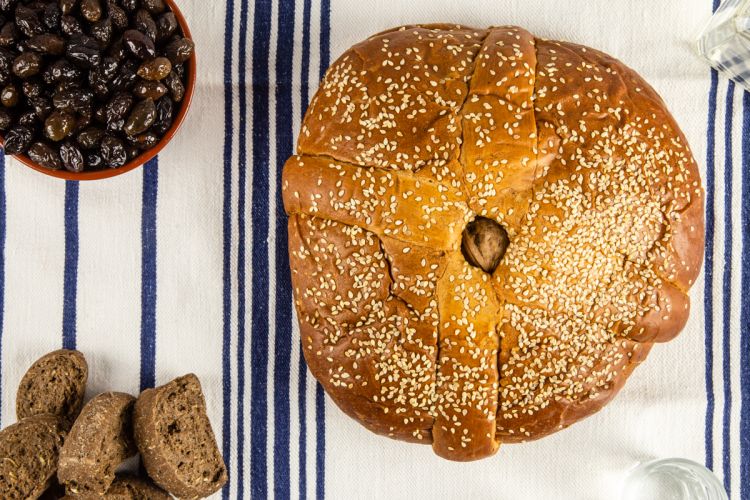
x: 417, y: 131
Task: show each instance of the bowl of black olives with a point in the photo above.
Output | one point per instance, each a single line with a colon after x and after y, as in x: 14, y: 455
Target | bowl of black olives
x: 90, y: 89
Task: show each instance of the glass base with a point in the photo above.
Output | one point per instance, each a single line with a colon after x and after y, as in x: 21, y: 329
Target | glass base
x: 672, y: 479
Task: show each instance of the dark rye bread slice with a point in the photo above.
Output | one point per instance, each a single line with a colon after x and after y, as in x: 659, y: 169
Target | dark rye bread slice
x: 177, y: 444
x: 28, y: 456
x: 101, y: 438
x: 135, y: 488
x: 128, y: 488
x: 55, y: 384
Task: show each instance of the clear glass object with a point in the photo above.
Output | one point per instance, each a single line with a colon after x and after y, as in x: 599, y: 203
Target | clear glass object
x: 672, y: 479
x: 725, y: 42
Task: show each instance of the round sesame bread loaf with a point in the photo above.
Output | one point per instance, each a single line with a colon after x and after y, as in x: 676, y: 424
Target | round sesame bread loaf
x: 488, y: 231
x: 100, y: 440
x: 28, y: 456
x: 55, y: 384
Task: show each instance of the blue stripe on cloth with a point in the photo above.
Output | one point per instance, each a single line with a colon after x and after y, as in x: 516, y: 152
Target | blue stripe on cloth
x: 745, y: 307
x: 227, y: 240
x: 70, y: 277
x: 260, y: 212
x: 320, y: 404
x: 325, y: 36
x: 3, y: 215
x: 320, y: 443
x: 148, y: 274
x: 241, y: 260
x: 708, y: 290
x: 727, y: 287
x: 283, y: 289
x: 302, y: 381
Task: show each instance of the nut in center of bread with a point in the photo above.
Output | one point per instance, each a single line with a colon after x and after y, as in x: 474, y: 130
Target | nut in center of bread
x: 484, y: 244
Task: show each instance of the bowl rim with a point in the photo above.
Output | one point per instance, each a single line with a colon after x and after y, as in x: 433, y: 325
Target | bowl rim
x: 146, y: 156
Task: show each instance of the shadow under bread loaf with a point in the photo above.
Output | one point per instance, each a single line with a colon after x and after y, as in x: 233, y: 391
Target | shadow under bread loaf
x: 28, y: 456
x: 99, y: 441
x: 488, y: 232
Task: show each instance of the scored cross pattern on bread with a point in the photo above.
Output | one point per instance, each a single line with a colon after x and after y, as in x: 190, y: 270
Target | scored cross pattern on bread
x: 413, y: 134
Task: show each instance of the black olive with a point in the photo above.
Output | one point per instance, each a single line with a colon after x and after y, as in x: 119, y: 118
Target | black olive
x: 18, y: 139
x: 146, y: 24
x: 118, y: 107
x: 90, y: 137
x: 126, y: 77
x: 8, y: 34
x: 7, y: 5
x: 144, y: 141
x: 6, y: 119
x: 179, y: 70
x: 9, y: 96
x: 150, y: 90
x: 29, y: 119
x: 141, y: 117
x: 45, y: 155
x: 166, y: 26
x: 164, y: 116
x: 155, y: 69
x: 154, y: 6
x: 139, y: 44
x: 67, y: 6
x: 6, y: 60
x: 116, y: 125
x: 94, y: 160
x: 73, y: 100
x: 72, y: 158
x: 51, y: 16
x: 129, y: 5
x: 59, y: 125
x: 102, y: 31
x: 27, y: 65
x: 100, y: 77
x: 31, y: 88
x: 132, y: 151
x: 117, y: 50
x: 47, y: 43
x: 28, y: 21
x: 117, y: 15
x: 179, y: 51
x: 175, y: 86
x: 61, y: 71
x: 42, y: 107
x: 70, y: 25
x: 91, y: 10
x: 84, y: 51
x: 113, y: 152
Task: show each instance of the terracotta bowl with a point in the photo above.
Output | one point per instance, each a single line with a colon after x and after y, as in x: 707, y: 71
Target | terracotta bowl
x: 146, y: 155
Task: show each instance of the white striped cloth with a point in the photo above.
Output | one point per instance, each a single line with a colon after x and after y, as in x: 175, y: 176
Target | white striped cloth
x: 181, y: 266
